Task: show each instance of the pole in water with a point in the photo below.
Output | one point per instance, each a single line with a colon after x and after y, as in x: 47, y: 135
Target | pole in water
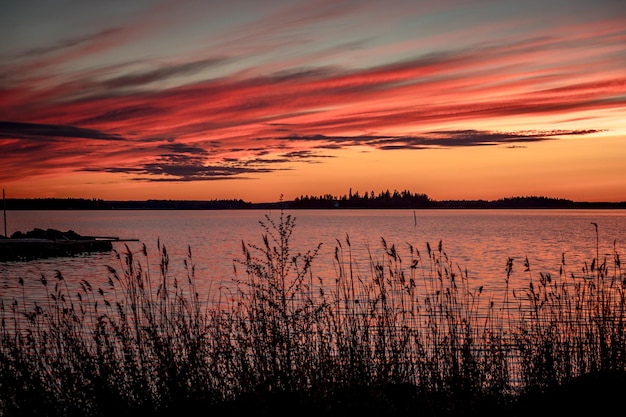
x: 4, y: 204
x: 414, y: 219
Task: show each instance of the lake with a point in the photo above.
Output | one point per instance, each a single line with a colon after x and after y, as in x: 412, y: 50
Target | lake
x: 479, y: 241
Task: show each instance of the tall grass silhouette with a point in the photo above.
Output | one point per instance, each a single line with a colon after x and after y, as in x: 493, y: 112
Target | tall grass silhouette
x: 411, y: 334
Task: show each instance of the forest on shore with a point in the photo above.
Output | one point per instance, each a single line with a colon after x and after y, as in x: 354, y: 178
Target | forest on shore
x: 367, y: 200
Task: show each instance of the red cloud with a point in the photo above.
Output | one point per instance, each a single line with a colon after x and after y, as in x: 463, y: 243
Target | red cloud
x: 232, y: 116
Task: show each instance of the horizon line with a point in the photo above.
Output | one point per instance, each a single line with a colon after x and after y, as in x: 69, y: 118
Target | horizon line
x: 482, y: 200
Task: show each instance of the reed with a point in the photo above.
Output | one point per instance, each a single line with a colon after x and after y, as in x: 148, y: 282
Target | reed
x: 410, y: 334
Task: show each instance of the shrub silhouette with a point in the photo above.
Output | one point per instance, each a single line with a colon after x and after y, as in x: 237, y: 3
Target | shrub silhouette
x: 410, y: 336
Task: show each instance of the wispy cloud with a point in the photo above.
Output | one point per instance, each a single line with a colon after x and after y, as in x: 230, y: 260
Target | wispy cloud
x: 270, y: 92
x: 183, y: 169
x: 163, y: 73
x: 68, y: 43
x: 39, y: 131
x: 434, y: 140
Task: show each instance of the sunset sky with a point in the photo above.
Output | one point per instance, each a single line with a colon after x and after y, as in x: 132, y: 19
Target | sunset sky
x: 202, y: 100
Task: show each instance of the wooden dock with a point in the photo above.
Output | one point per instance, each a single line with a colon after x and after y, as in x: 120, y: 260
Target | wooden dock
x: 52, y: 243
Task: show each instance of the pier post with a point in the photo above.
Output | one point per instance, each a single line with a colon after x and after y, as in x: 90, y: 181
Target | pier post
x: 4, y: 204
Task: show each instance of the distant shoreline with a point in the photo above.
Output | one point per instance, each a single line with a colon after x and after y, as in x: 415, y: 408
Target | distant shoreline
x: 298, y: 204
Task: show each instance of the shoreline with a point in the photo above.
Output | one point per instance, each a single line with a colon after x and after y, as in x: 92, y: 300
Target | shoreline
x: 208, y: 206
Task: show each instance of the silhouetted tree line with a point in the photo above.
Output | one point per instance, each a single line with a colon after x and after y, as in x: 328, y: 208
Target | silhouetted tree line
x: 407, y: 199
x: 56, y: 204
x: 98, y: 204
x: 384, y: 199
x: 530, y: 202
x: 533, y: 202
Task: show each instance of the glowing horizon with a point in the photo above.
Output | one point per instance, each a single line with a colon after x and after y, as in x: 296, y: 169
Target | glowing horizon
x: 254, y: 100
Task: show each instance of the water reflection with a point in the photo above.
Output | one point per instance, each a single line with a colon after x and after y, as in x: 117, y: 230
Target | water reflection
x: 479, y: 241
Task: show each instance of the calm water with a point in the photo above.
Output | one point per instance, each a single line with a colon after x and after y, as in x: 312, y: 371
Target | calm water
x: 477, y: 240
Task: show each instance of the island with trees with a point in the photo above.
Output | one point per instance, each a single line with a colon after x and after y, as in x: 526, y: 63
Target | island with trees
x: 353, y: 200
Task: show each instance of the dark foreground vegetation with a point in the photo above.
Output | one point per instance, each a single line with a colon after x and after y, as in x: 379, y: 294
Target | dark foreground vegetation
x: 411, y: 337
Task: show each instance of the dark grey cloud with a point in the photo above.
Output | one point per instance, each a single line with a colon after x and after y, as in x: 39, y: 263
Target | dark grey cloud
x: 68, y: 43
x: 304, y: 155
x: 39, y: 131
x: 265, y: 161
x: 126, y: 113
x: 160, y: 74
x: 182, y: 148
x: 185, y: 163
x: 188, y: 163
x: 435, y: 139
x: 300, y: 156
x: 173, y: 170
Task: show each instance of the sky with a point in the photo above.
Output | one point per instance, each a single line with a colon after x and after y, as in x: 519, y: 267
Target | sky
x: 268, y: 100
